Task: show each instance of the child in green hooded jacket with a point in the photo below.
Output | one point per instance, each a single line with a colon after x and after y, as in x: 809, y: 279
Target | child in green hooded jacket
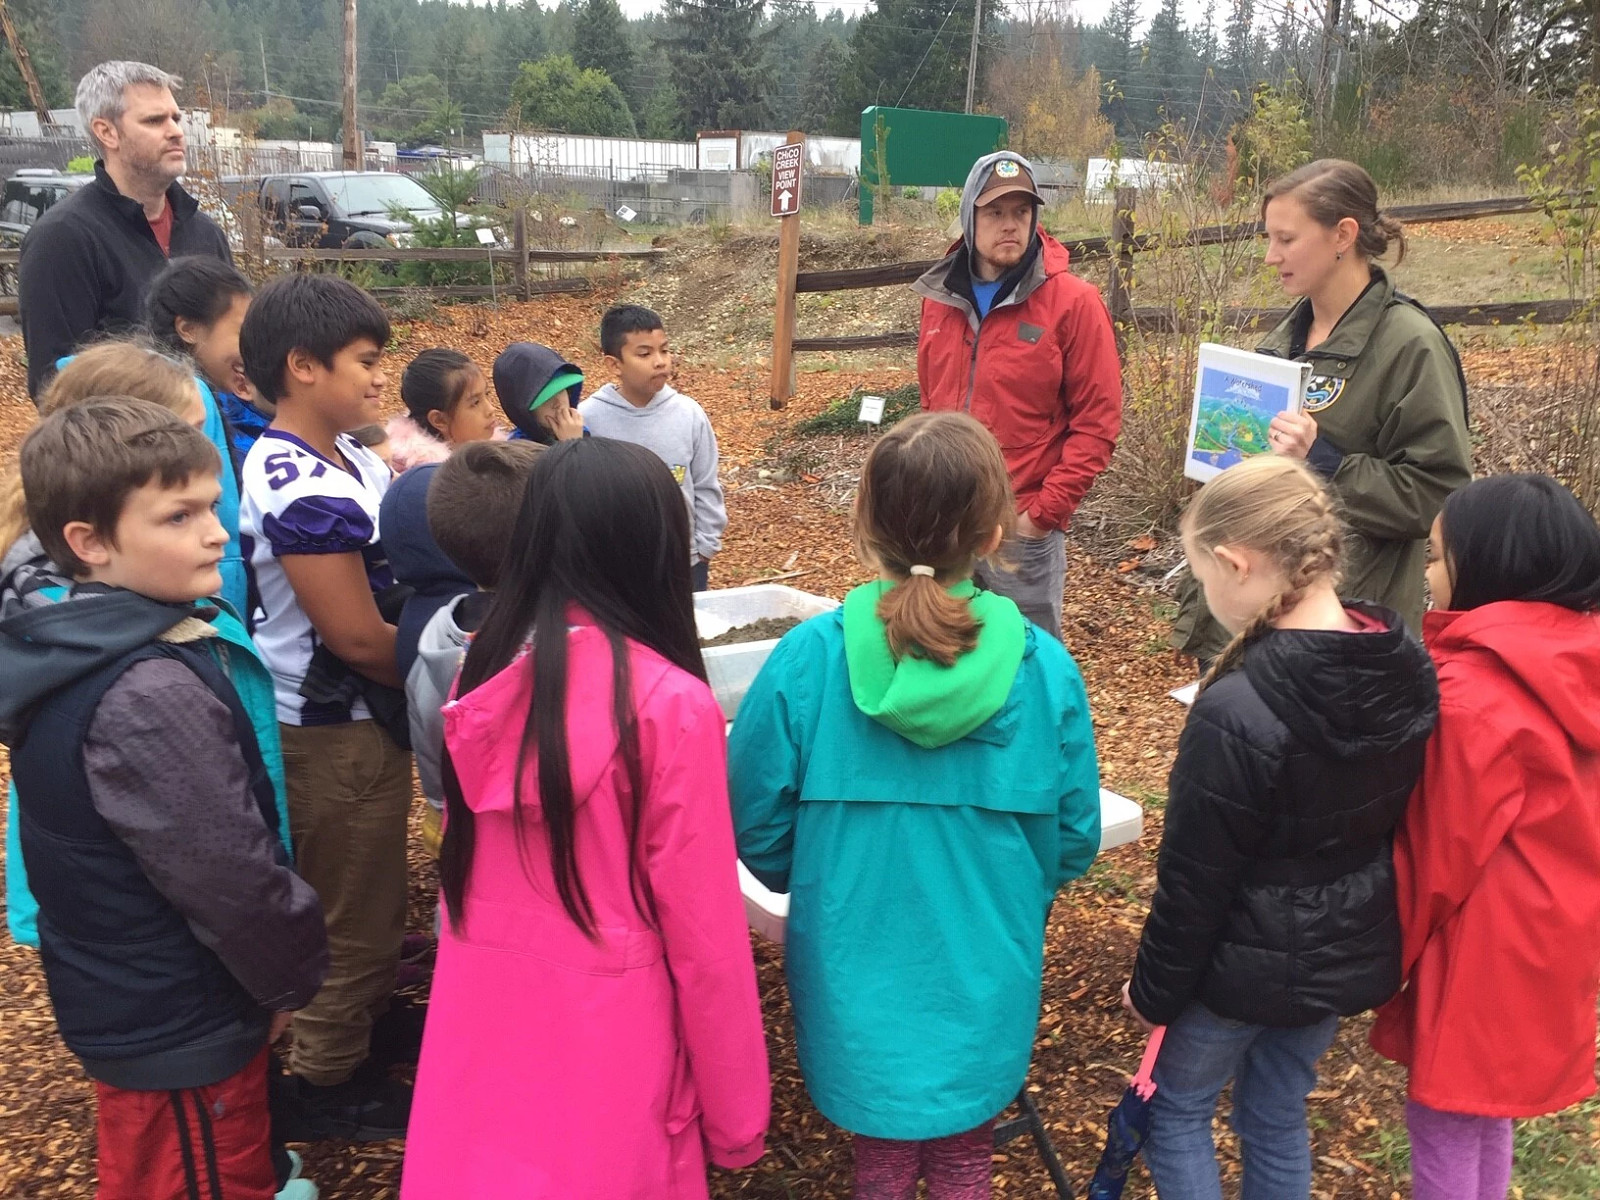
x: 917, y: 770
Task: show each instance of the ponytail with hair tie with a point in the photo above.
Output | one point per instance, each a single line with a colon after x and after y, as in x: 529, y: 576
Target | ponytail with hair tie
x: 933, y: 491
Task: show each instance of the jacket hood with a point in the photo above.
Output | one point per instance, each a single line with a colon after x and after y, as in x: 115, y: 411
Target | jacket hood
x: 483, y: 729
x: 1349, y: 695
x: 28, y: 579
x: 414, y: 557
x: 443, y: 641
x: 521, y: 373
x: 1553, y: 653
x: 611, y: 394
x: 44, y: 649
x: 975, y: 180
x: 411, y: 445
x: 925, y: 703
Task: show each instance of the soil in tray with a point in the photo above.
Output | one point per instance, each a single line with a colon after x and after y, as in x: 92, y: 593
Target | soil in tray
x: 764, y: 630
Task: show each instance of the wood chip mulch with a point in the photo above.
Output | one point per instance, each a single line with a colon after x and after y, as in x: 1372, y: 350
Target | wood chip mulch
x: 793, y: 523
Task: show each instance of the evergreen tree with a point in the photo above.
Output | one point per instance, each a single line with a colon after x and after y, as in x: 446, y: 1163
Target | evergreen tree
x: 1115, y: 55
x: 913, y: 54
x: 718, y: 51
x: 819, y: 90
x: 600, y: 41
x: 516, y: 35
x: 1239, y: 48
x: 1166, y: 74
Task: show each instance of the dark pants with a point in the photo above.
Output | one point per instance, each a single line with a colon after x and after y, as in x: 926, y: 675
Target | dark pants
x: 700, y: 575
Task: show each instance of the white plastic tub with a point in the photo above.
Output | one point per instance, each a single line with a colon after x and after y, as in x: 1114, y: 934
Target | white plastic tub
x: 732, y: 669
x: 1121, y: 822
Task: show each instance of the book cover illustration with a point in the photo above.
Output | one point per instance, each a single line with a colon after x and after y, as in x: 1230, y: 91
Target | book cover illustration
x: 1236, y: 395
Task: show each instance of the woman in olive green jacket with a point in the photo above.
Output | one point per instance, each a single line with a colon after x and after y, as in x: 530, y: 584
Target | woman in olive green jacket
x: 1385, y: 418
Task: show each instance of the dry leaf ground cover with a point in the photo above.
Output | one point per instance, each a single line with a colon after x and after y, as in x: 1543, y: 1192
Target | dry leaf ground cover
x: 788, y: 501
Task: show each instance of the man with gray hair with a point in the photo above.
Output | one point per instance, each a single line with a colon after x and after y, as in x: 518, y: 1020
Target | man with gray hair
x: 87, y: 262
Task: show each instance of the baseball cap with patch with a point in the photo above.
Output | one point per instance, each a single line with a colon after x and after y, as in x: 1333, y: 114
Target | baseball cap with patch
x: 1008, y: 176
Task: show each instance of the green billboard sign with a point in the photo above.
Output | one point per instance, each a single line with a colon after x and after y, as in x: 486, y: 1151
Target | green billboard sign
x: 914, y: 147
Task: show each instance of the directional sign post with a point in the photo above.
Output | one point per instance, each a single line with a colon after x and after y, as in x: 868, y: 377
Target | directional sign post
x: 787, y: 161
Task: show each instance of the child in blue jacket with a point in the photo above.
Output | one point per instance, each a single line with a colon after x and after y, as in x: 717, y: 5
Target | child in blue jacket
x: 917, y: 770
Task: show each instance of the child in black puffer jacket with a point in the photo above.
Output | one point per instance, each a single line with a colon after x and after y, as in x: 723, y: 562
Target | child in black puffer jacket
x: 1274, y: 912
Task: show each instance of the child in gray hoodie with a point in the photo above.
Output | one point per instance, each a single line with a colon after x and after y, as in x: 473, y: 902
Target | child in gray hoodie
x: 642, y: 407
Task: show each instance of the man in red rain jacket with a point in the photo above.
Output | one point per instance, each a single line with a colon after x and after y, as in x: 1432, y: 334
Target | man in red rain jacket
x: 1011, y: 336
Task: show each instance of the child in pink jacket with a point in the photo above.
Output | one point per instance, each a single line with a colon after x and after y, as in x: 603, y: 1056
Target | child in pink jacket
x: 595, y: 1029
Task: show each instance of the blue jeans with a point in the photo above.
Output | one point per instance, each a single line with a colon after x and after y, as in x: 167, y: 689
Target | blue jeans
x: 1273, y: 1070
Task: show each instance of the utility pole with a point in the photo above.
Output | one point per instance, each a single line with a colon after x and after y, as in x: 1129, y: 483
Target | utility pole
x: 266, y: 84
x: 25, y: 68
x: 972, y: 56
x: 352, y: 135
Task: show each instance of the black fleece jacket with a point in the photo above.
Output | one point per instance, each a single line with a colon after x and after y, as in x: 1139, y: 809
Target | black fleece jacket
x: 1275, y: 887
x: 88, y: 262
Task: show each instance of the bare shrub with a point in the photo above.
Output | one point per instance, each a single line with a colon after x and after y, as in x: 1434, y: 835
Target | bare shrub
x: 1563, y: 427
x: 1183, y: 295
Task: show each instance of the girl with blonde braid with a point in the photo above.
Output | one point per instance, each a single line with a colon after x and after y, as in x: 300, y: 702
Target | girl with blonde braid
x: 1275, y: 913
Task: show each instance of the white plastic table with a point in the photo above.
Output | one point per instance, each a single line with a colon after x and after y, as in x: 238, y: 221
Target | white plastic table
x: 1121, y: 822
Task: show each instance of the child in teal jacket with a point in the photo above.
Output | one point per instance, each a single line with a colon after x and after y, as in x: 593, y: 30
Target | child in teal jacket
x: 917, y: 770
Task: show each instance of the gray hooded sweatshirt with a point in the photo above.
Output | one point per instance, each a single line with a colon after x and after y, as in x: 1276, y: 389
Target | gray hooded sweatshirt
x: 440, y: 649
x: 679, y: 432
x: 976, y: 178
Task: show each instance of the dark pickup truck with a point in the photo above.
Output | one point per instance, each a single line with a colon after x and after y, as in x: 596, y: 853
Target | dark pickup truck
x: 348, y: 209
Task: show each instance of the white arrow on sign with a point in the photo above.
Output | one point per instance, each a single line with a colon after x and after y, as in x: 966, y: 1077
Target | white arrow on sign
x: 783, y: 198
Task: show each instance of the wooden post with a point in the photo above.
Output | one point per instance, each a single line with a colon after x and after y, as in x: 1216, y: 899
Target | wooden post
x: 255, y: 233
x: 352, y: 135
x: 783, y: 317
x: 519, y: 241
x: 1127, y: 200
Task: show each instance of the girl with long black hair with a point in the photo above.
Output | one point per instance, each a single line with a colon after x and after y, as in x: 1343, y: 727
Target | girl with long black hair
x: 594, y: 1028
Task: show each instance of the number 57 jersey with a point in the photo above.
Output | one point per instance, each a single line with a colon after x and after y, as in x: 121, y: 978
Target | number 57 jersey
x: 296, y: 501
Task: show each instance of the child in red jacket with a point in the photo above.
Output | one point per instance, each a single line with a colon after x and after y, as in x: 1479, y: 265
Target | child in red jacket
x: 1498, y: 858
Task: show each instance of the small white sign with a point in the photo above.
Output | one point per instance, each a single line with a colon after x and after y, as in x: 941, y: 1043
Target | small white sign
x: 626, y: 213
x: 485, y: 236
x: 872, y: 409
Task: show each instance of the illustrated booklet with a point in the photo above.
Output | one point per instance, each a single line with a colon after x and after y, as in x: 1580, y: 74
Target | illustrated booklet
x: 1236, y: 395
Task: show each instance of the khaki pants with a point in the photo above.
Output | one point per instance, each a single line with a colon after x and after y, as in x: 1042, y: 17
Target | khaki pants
x: 349, y: 790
